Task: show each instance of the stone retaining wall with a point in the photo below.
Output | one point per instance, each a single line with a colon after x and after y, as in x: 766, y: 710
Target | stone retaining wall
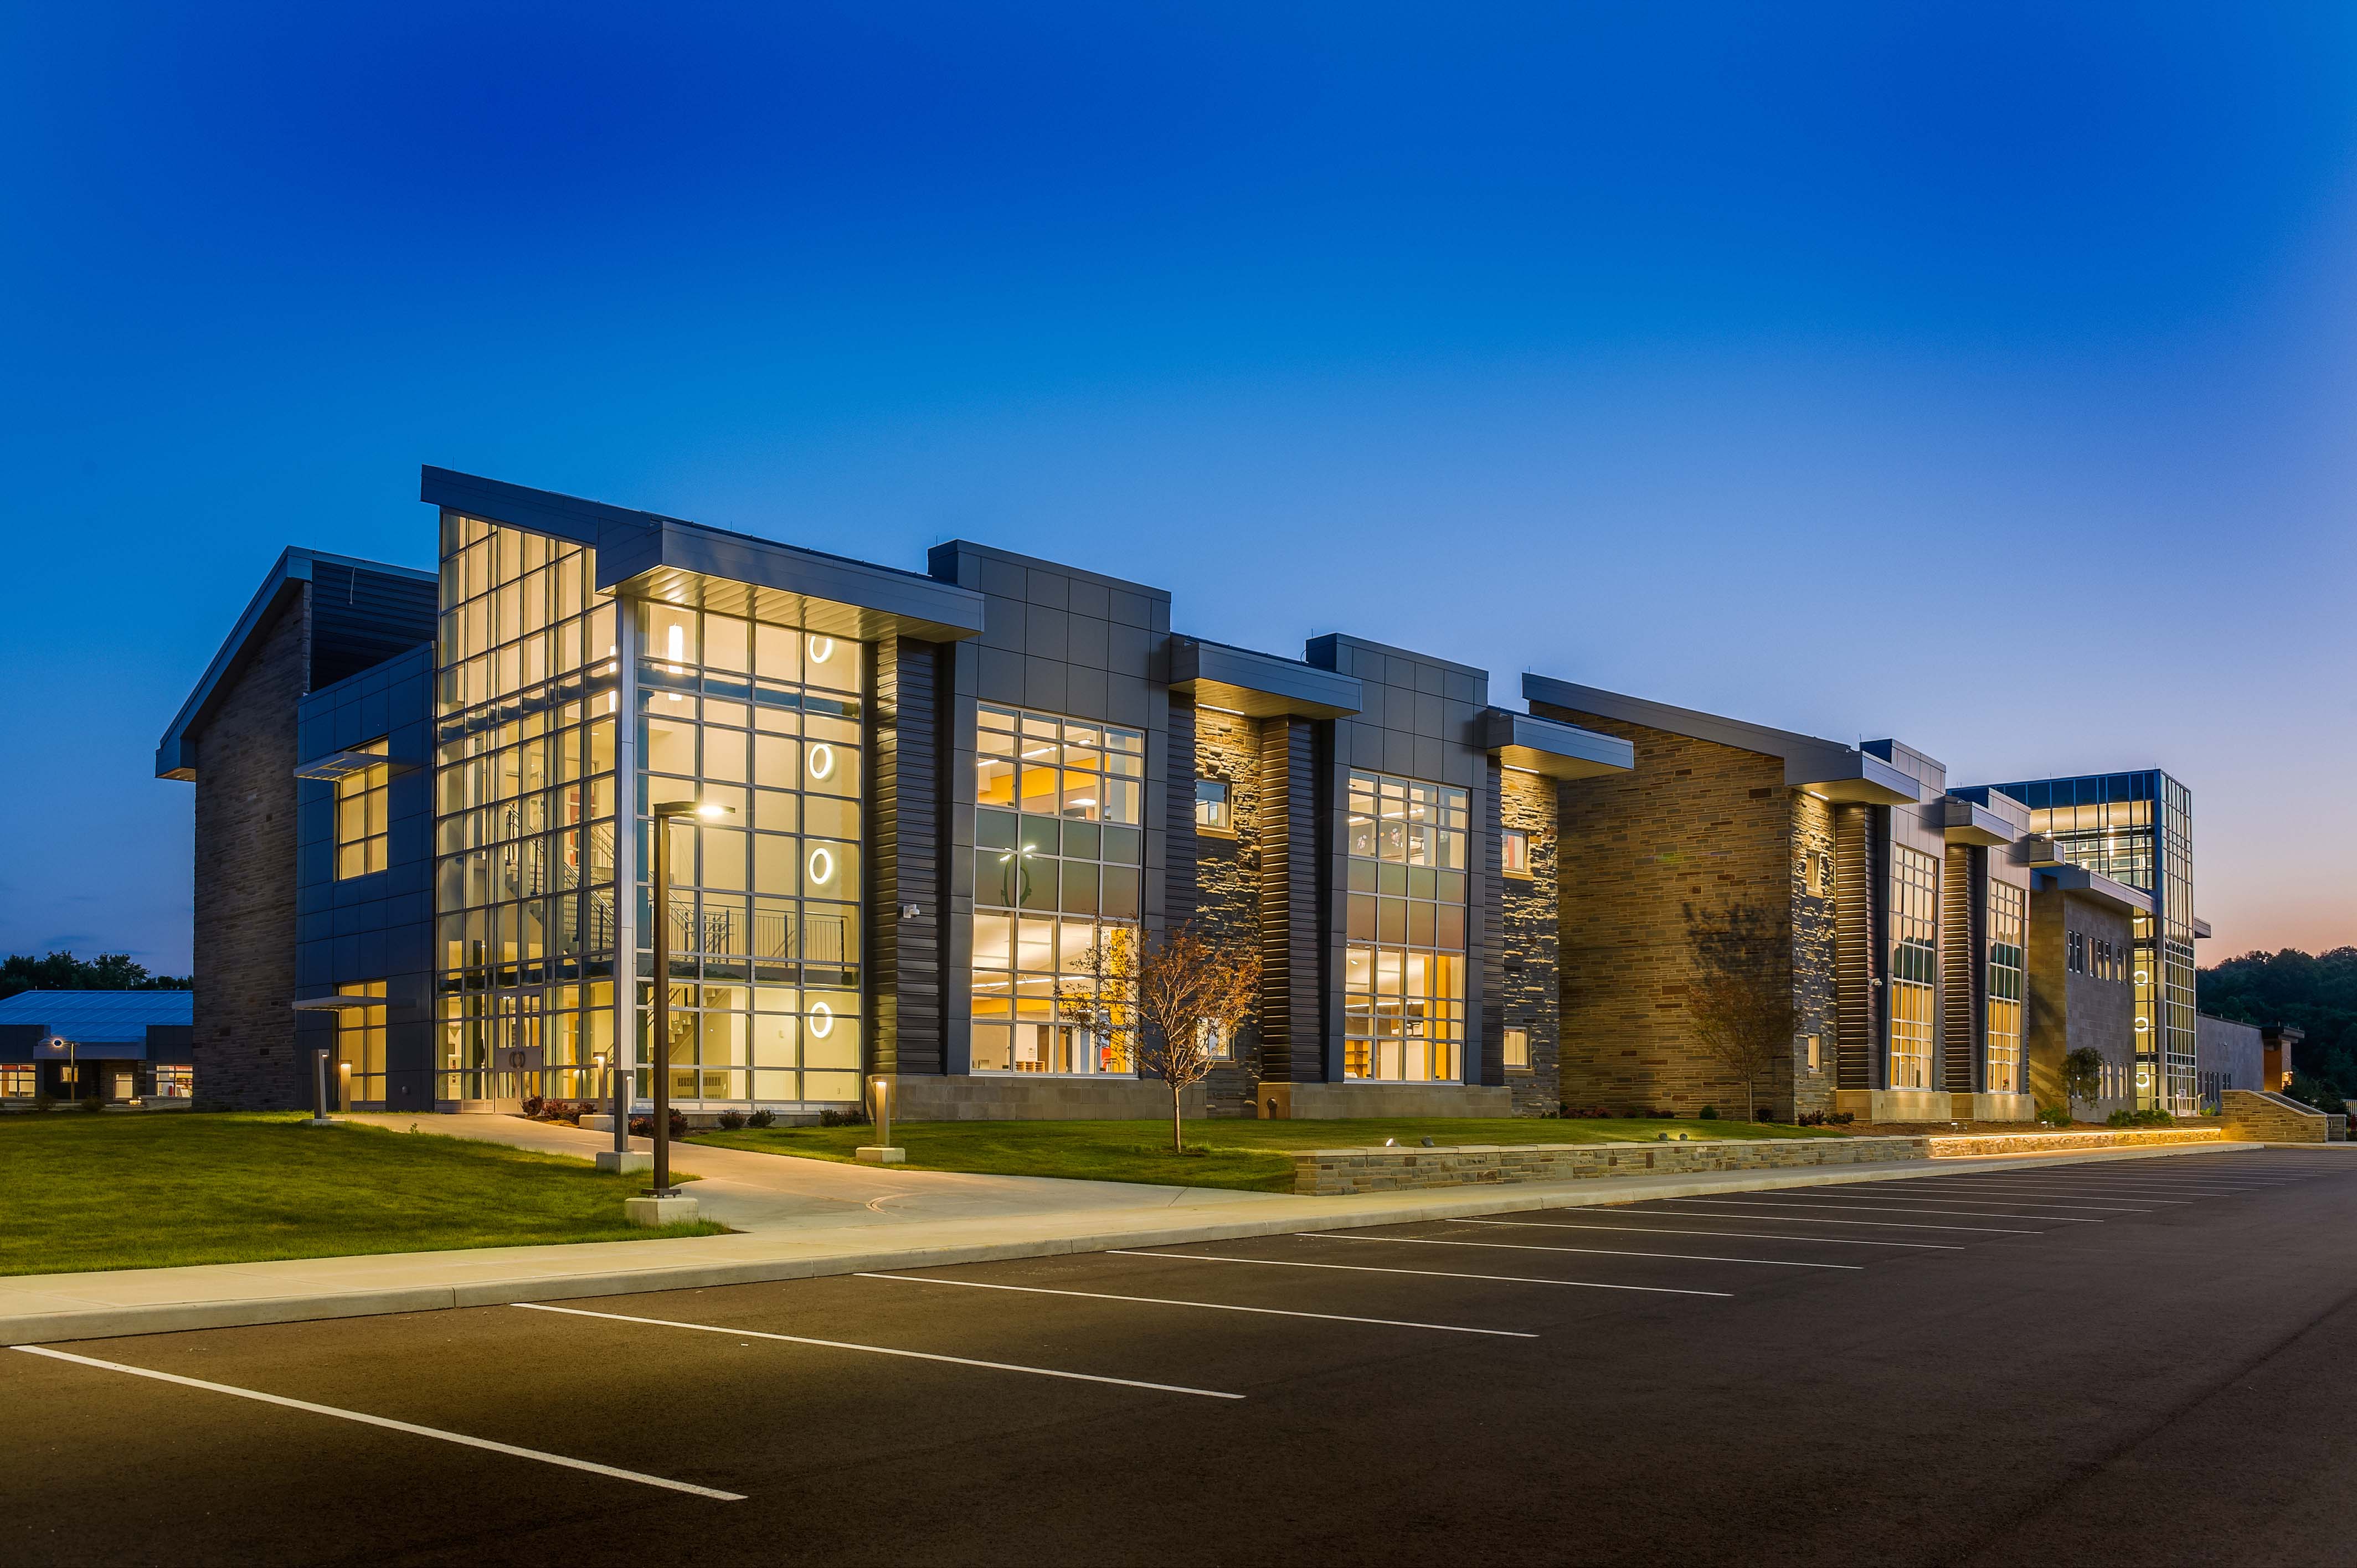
x: 1970, y: 1144
x: 2260, y: 1118
x: 1332, y: 1172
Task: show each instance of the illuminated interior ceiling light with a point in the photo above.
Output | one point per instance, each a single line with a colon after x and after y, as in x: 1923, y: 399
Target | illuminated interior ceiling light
x: 822, y: 762
x: 821, y: 1021
x: 822, y: 867
x: 822, y: 649
x: 675, y: 646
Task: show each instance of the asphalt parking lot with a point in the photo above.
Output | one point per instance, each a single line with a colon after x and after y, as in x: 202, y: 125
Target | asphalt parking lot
x: 2131, y: 1362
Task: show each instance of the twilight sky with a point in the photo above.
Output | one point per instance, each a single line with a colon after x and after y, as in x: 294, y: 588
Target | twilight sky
x: 1979, y: 374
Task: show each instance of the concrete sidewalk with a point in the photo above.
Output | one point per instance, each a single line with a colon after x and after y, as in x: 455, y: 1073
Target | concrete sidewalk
x: 807, y: 1221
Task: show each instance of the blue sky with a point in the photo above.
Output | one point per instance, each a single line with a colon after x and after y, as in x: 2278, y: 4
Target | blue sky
x: 1979, y: 374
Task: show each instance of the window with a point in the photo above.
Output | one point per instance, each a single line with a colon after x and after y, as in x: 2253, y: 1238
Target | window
x: 2074, y: 952
x: 1218, y: 1045
x: 1404, y: 980
x: 1914, y: 964
x: 360, y: 1048
x: 2005, y: 988
x: 1825, y: 873
x: 1514, y: 851
x: 16, y: 1080
x: 176, y: 1082
x: 1058, y: 863
x: 1517, y: 1050
x: 360, y: 834
x: 1816, y: 1059
x: 1212, y: 806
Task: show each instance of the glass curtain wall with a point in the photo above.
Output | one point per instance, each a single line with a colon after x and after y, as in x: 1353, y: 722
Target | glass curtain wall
x: 765, y: 906
x: 1914, y: 964
x: 2138, y: 828
x: 1403, y: 978
x: 2007, y: 989
x: 360, y: 1048
x: 1058, y: 850
x: 526, y: 700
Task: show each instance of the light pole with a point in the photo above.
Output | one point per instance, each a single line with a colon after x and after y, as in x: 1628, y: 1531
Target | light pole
x: 665, y: 814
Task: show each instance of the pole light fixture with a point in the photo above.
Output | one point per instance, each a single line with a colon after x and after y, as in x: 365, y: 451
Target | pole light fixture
x: 665, y: 814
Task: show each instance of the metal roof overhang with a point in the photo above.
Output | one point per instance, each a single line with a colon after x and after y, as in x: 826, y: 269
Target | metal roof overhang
x: 1856, y: 777
x: 2086, y: 883
x: 335, y: 1004
x: 340, y: 765
x: 647, y: 556
x: 1259, y: 685
x: 2200, y: 928
x: 93, y: 1051
x: 1963, y: 821
x: 1550, y: 748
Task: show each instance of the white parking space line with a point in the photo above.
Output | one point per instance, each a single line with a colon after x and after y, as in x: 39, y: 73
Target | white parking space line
x: 1585, y: 1251
x: 881, y: 1351
x: 878, y: 1350
x: 1796, y: 1220
x: 1902, y: 1202
x: 1731, y: 1235
x: 364, y: 1418
x: 1207, y: 1305
x: 1422, y: 1273
x: 1741, y: 1202
x: 2008, y: 1194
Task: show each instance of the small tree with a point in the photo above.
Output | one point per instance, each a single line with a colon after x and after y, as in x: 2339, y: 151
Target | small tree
x: 1166, y: 1002
x: 2082, y: 1076
x: 1740, y: 1000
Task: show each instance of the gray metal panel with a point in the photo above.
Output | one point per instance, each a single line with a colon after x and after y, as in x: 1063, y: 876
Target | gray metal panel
x: 1260, y: 685
x: 827, y: 592
x: 2078, y: 879
x: 1550, y: 748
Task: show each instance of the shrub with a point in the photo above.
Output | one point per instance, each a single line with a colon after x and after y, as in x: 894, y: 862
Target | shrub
x: 92, y: 1103
x: 760, y: 1119
x: 2121, y: 1119
x: 2055, y: 1115
x: 644, y: 1126
x: 532, y: 1105
x: 732, y: 1121
x: 45, y: 1101
x: 855, y: 1117
x: 1709, y: 1114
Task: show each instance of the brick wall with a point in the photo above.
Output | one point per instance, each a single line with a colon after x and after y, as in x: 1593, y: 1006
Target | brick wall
x: 245, y: 877
x: 1526, y: 985
x: 1696, y: 826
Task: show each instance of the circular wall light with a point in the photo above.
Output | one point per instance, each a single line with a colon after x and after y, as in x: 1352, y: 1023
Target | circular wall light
x: 822, y: 649
x: 822, y: 867
x: 821, y: 1022
x: 822, y: 762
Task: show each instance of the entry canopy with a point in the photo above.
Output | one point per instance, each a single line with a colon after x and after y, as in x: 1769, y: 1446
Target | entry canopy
x: 2091, y: 885
x: 1552, y: 749
x: 1259, y: 685
x: 643, y: 554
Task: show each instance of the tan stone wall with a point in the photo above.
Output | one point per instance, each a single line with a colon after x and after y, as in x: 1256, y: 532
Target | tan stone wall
x: 1227, y: 876
x: 2258, y: 1117
x: 1333, y: 1172
x: 1975, y: 1144
x: 1694, y: 826
x: 244, y: 891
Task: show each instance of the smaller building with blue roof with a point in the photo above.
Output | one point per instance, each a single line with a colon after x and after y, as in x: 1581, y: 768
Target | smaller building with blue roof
x: 120, y: 1046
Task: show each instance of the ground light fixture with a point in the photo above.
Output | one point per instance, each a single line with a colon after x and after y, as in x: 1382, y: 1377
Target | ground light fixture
x: 881, y: 1152
x: 662, y: 1204
x: 318, y: 1089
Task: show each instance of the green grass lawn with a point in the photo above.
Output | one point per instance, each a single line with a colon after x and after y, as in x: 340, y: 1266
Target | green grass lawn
x: 144, y: 1191
x: 1250, y: 1154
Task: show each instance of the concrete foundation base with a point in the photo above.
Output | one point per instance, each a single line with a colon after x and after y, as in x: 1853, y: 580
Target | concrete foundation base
x: 1898, y: 1104
x: 1995, y: 1108
x: 616, y: 1160
x: 876, y: 1155
x: 1341, y: 1102
x: 1025, y: 1097
x: 658, y: 1211
x: 596, y: 1123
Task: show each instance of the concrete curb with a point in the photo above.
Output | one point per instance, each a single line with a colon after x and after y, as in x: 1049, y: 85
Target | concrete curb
x: 1324, y: 1214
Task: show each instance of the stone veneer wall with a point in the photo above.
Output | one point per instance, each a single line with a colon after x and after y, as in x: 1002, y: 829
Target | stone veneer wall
x: 1525, y: 987
x: 1981, y: 1144
x: 2270, y: 1119
x: 1227, y: 876
x: 245, y: 882
x: 1696, y: 826
x: 1335, y: 1172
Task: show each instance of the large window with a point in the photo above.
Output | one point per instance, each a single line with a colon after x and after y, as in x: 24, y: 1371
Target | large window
x: 1057, y: 856
x: 16, y: 1080
x: 765, y: 905
x: 361, y: 837
x: 360, y: 1046
x: 1404, y: 980
x: 2005, y: 988
x: 525, y: 811
x: 1914, y: 964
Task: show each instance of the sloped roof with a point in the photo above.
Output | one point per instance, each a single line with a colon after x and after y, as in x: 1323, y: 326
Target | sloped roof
x: 91, y: 1016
